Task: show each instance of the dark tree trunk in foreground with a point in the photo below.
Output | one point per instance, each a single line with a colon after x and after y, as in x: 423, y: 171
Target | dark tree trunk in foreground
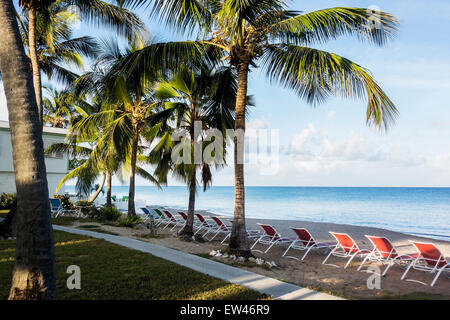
x: 188, y: 230
x: 239, y: 243
x: 134, y: 147
x: 34, y: 268
x: 108, y: 189
x: 37, y: 84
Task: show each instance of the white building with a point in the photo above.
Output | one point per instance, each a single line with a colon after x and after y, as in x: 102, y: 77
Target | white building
x: 56, y: 165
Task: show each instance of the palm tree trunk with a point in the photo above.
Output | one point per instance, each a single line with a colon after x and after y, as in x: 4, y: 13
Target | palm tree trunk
x: 238, y: 240
x: 134, y: 147
x: 188, y: 230
x: 34, y: 268
x: 108, y: 189
x: 97, y: 192
x: 34, y: 59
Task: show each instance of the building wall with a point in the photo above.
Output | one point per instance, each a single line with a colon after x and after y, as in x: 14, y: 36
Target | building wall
x: 56, y: 165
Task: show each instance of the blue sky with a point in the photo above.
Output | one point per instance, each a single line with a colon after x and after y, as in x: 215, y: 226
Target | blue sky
x: 330, y: 144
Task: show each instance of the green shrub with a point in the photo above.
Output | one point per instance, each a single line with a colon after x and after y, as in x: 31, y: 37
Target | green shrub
x: 6, y: 200
x: 65, y: 201
x: 109, y: 213
x: 83, y: 203
x: 130, y: 222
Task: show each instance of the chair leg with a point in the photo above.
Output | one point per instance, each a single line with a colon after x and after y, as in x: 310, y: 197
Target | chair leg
x: 270, y: 246
x: 215, y: 235
x: 198, y: 230
x: 438, y: 274
x: 306, y: 253
x: 362, y: 263
x: 176, y: 224
x: 167, y: 224
x: 256, y: 242
x: 407, y: 270
x: 228, y: 235
x: 348, y: 262
x: 391, y: 263
x: 328, y: 256
x: 289, y: 247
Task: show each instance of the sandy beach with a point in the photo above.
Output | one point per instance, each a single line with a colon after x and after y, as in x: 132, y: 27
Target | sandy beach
x: 348, y: 283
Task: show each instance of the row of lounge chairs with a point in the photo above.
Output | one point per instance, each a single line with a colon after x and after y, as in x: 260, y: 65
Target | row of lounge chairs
x: 427, y: 258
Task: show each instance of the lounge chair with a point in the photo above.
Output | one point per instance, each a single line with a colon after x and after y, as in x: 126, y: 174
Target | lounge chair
x: 161, y: 217
x: 184, y: 217
x: 220, y: 228
x: 346, y: 247
x: 429, y: 259
x: 305, y: 242
x: 384, y: 252
x: 172, y: 220
x: 57, y: 209
x: 270, y: 238
x: 148, y: 215
x: 203, y: 224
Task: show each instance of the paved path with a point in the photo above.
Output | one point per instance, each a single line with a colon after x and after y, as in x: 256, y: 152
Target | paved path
x: 275, y: 288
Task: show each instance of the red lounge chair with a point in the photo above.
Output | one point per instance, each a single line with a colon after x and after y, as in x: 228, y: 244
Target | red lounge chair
x: 221, y: 228
x: 270, y: 237
x: 203, y: 224
x: 183, y: 219
x: 383, y: 251
x: 172, y: 220
x: 429, y: 259
x: 346, y: 247
x: 305, y: 241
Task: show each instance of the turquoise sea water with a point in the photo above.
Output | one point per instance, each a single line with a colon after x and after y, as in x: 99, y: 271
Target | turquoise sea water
x: 424, y: 211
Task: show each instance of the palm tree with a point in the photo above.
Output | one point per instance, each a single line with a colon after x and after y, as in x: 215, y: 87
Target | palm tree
x: 34, y: 268
x: 265, y: 33
x: 92, y: 157
x: 90, y: 166
x: 130, y: 116
x: 116, y: 17
x: 59, y: 107
x: 202, y: 100
x: 55, y: 46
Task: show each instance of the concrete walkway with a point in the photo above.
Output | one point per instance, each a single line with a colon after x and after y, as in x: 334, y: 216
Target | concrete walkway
x: 275, y: 288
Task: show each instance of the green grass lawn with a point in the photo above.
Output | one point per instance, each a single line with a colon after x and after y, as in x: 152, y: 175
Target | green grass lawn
x: 109, y: 271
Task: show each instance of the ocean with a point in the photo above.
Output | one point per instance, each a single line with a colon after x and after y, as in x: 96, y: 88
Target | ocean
x: 420, y: 211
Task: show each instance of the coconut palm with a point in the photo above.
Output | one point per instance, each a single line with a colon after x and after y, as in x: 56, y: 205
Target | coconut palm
x: 99, y: 12
x: 131, y: 117
x: 266, y: 34
x: 56, y: 49
x: 202, y: 101
x: 89, y: 168
x: 34, y: 267
x: 59, y: 106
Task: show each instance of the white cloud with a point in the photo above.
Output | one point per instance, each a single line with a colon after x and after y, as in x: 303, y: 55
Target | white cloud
x: 331, y: 114
x: 257, y: 124
x: 315, y: 150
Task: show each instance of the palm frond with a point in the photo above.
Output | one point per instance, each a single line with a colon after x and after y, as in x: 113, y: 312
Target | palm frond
x: 323, y: 25
x: 119, y: 19
x: 315, y: 75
